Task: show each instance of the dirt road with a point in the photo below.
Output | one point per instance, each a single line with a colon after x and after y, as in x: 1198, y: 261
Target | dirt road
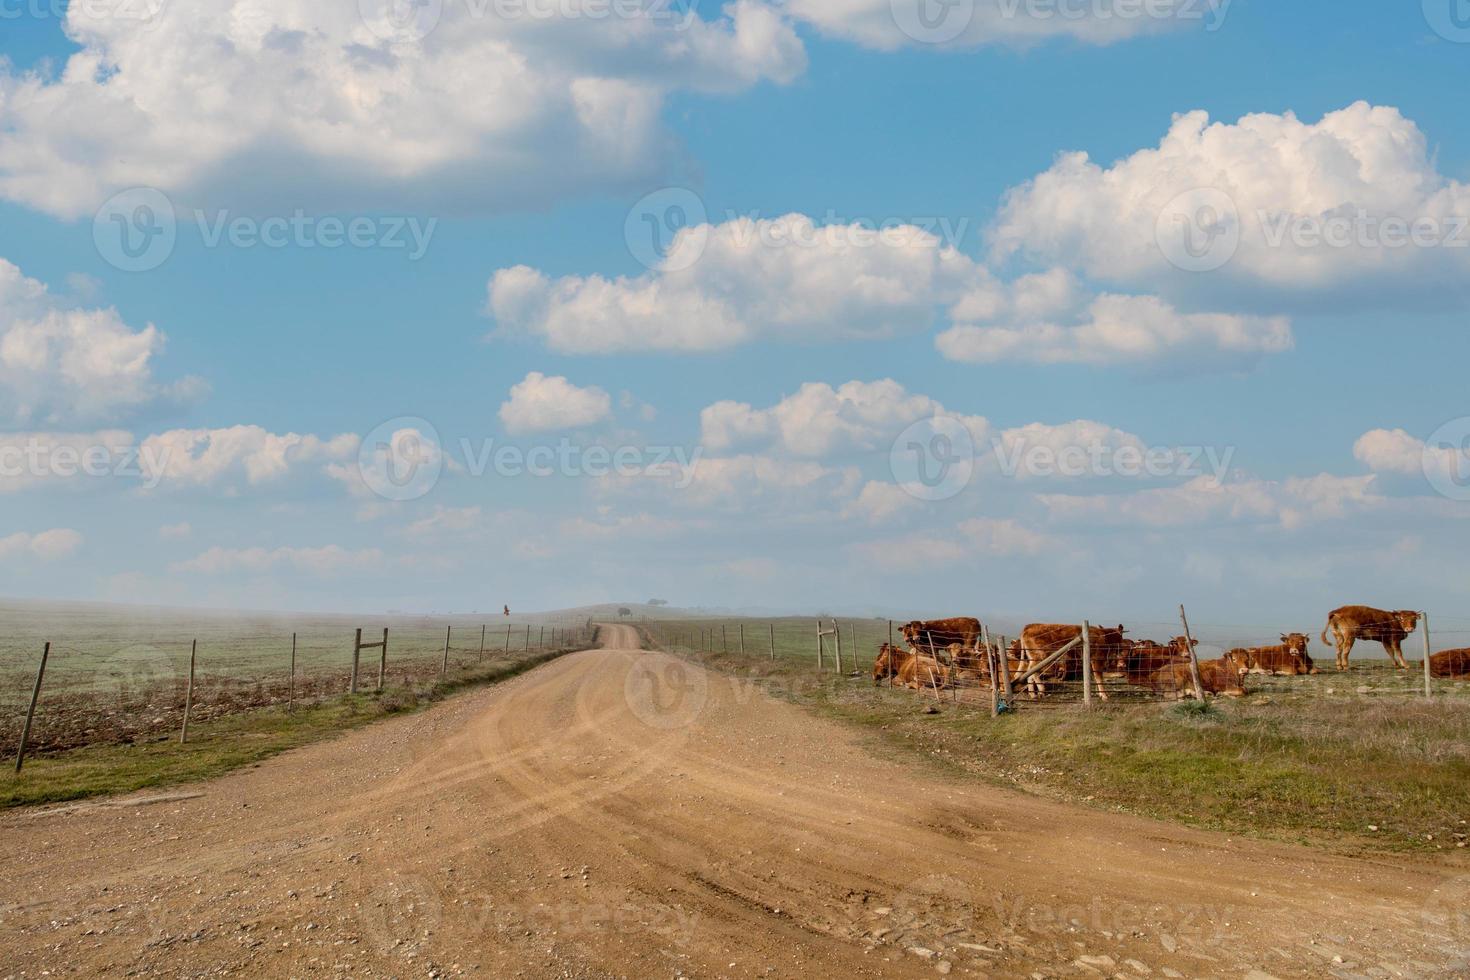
x: 620, y: 813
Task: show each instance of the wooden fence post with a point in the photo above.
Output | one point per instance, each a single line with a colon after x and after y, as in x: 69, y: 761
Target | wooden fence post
x: 383, y: 662
x: 356, y: 656
x: 291, y: 684
x: 773, y: 641
x: 724, y: 640
x: 1087, y: 663
x: 819, y: 645
x: 541, y: 640
x: 444, y: 667
x: 1005, y: 671
x: 25, y: 733
x: 482, y: 644
x: 1199, y: 687
x: 891, y: 671
x: 507, y: 639
x: 1428, y: 688
x: 189, y: 694
x: 837, y: 639
x: 742, y: 641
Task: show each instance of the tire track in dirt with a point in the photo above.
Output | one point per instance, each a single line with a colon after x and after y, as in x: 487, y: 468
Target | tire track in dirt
x: 622, y: 813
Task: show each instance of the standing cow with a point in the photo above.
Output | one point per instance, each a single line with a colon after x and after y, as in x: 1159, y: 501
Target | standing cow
x: 936, y: 634
x: 1352, y: 623
x: 1041, y: 640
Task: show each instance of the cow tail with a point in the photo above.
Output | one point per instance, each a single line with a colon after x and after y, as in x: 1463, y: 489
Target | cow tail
x: 1331, y: 623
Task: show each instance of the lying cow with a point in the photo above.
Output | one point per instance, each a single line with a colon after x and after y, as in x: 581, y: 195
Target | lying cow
x: 923, y: 673
x: 1222, y: 677
x: 1041, y: 640
x: 938, y: 633
x: 1352, y: 623
x: 1142, y: 659
x: 889, y: 663
x: 1288, y: 659
x: 1450, y: 663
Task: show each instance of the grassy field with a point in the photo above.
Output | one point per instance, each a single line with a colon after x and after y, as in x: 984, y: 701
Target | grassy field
x: 228, y: 742
x: 1356, y: 762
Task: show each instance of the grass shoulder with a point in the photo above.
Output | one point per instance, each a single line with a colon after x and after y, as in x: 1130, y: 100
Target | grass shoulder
x: 217, y: 746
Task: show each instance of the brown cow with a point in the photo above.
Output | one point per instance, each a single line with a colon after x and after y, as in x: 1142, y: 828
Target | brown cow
x: 1450, y: 663
x: 889, y: 663
x: 1352, y: 623
x: 1218, y: 677
x: 923, y: 673
x: 938, y: 633
x: 1144, y: 658
x: 1041, y: 640
x: 1289, y: 659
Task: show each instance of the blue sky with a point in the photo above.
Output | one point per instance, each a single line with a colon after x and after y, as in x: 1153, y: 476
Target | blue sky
x: 1322, y: 371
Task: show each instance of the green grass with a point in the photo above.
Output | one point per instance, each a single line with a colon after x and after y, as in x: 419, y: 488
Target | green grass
x: 219, y: 746
x: 1317, y: 759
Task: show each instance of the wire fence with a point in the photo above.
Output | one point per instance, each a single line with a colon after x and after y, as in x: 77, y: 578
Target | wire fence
x: 1146, y: 661
x: 111, y: 679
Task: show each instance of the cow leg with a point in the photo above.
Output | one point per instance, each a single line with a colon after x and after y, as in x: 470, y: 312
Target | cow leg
x: 1344, y: 651
x: 1397, y: 653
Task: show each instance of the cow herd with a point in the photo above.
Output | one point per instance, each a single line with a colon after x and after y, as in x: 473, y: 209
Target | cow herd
x: 949, y: 653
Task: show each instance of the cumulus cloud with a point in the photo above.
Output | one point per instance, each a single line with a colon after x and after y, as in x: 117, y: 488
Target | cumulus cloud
x: 889, y: 24
x: 264, y: 99
x: 723, y: 285
x: 174, y: 531
x: 820, y: 420
x: 790, y: 279
x: 1364, y: 177
x: 60, y: 366
x: 1114, y: 329
x: 32, y: 459
x: 1206, y: 500
x: 544, y: 404
x: 245, y: 454
x: 1396, y: 451
x: 46, y: 545
x: 881, y: 503
x: 322, y: 562
x: 970, y: 541
x: 796, y: 489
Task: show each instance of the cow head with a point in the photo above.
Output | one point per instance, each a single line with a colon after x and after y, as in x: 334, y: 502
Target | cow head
x: 888, y: 663
x: 1408, y: 620
x: 1238, y: 661
x: 1295, y: 643
x: 1183, y: 646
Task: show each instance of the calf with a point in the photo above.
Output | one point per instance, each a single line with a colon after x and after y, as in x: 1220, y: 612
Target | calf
x: 1289, y: 659
x: 923, y: 673
x: 1352, y: 623
x: 1450, y: 663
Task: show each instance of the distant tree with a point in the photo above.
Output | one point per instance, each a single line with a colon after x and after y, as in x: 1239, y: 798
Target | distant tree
x: 658, y: 602
x: 624, y: 612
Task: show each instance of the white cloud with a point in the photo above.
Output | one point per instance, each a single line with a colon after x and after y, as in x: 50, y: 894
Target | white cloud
x: 261, y: 100
x: 1105, y: 220
x: 455, y: 520
x: 783, y: 278
x: 789, y: 279
x: 881, y: 503
x: 1205, y: 500
x: 183, y: 529
x: 889, y: 24
x: 30, y: 459
x: 242, y: 453
x: 1115, y: 329
x: 60, y: 365
x: 544, y: 404
x: 323, y: 562
x: 46, y: 545
x: 970, y: 541
x: 820, y: 420
x: 1396, y: 451
x: 795, y: 489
